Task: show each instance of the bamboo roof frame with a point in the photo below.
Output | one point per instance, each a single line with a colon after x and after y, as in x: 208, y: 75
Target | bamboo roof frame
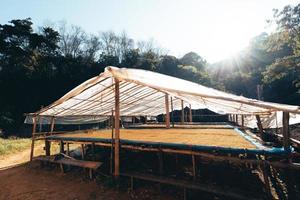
x: 95, y: 97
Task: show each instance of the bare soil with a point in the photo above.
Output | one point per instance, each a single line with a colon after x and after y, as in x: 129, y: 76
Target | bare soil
x: 29, y: 181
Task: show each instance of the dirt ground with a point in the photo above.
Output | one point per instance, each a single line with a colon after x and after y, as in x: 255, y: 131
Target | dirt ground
x: 28, y: 181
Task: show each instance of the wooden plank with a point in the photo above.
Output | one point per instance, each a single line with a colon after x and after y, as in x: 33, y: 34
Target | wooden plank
x: 117, y: 128
x: 259, y: 126
x: 66, y: 161
x: 33, y: 138
x: 286, y: 131
x: 167, y: 111
x: 80, y: 163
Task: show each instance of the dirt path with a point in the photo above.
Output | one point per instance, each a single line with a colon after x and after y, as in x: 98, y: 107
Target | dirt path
x: 31, y: 182
x: 17, y: 158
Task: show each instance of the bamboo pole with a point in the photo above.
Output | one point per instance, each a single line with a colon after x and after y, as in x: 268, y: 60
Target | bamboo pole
x: 117, y: 128
x: 167, y: 111
x: 190, y: 115
x: 172, y: 112
x: 286, y: 131
x: 260, y: 127
x: 243, y: 121
x: 182, y: 113
x: 52, y: 124
x: 32, y: 139
x: 112, y: 142
x: 47, y: 142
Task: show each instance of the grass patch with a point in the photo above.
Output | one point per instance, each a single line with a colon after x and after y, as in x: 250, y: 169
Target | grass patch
x: 13, y: 145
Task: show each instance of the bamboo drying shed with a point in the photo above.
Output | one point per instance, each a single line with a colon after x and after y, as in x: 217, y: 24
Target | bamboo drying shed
x: 121, y: 92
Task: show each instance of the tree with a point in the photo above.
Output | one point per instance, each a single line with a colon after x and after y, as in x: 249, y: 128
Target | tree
x: 193, y: 59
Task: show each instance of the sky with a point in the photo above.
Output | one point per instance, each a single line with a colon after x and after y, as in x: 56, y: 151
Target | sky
x: 215, y: 29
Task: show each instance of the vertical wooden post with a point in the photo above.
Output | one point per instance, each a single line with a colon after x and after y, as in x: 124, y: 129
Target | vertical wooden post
x: 259, y: 125
x: 194, y: 167
x: 68, y: 149
x: 243, y: 121
x: 117, y: 128
x: 172, y: 112
x: 52, y: 125
x: 61, y: 147
x: 47, y: 142
x: 112, y: 142
x: 190, y: 115
x: 286, y: 131
x: 167, y: 111
x: 33, y: 137
x: 93, y: 151
x: 82, y: 152
x: 182, y: 112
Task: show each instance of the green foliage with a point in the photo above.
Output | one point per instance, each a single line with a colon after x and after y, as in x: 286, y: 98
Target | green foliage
x: 36, y: 68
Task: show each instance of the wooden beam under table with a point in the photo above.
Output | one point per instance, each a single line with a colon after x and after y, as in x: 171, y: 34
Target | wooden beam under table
x: 117, y: 128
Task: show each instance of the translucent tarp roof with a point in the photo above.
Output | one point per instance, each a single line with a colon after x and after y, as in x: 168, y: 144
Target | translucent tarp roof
x: 143, y: 93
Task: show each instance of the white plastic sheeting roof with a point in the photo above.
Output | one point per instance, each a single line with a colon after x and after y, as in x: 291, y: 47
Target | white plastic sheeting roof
x: 143, y: 93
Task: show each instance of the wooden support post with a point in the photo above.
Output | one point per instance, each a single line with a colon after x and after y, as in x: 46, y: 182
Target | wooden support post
x: 33, y: 138
x: 167, y: 111
x: 131, y: 183
x: 68, y: 148
x: 117, y: 128
x: 243, y: 122
x: 47, y: 147
x: 194, y: 167
x: 112, y: 142
x: 260, y: 127
x: 61, y: 147
x: 93, y: 151
x: 172, y: 112
x: 286, y: 131
x: 47, y: 142
x: 265, y: 173
x: 82, y: 152
x: 52, y: 125
x: 190, y: 115
x: 182, y: 113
